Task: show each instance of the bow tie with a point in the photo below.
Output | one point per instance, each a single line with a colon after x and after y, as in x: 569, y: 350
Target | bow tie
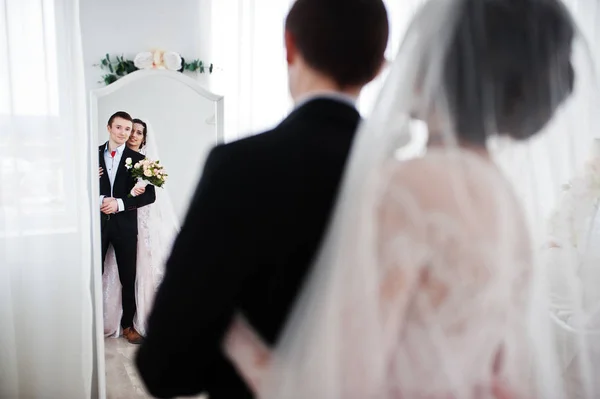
x: 113, y: 153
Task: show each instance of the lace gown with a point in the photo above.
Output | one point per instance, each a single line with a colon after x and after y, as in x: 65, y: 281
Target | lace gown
x: 453, y: 271
x: 149, y: 275
x: 574, y: 292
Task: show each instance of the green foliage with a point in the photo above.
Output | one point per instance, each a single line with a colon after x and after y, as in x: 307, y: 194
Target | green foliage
x: 110, y: 78
x: 197, y: 66
x: 117, y: 68
x: 121, y: 66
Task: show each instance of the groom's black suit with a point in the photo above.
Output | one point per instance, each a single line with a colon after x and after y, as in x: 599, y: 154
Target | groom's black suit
x: 121, y: 229
x: 250, y: 235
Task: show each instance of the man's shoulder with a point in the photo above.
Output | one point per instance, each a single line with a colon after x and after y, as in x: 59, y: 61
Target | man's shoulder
x: 243, y: 160
x: 252, y: 147
x: 134, y: 155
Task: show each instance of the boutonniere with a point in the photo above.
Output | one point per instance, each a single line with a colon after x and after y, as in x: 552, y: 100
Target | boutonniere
x: 128, y: 163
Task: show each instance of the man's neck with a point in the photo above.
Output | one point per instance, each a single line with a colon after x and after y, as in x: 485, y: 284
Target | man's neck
x: 112, y: 146
x: 313, y: 85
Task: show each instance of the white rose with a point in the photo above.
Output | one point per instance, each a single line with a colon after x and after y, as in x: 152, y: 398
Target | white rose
x: 144, y: 60
x: 148, y: 173
x: 128, y: 161
x: 172, y: 61
x: 137, y: 165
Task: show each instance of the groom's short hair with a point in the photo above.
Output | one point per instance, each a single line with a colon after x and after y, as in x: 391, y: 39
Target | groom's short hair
x: 343, y: 39
x: 119, y: 114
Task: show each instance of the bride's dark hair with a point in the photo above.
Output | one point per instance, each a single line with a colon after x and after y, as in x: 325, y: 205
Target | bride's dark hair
x: 508, y: 67
x: 141, y: 122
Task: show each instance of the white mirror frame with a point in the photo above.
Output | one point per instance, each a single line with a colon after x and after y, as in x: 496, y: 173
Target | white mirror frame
x: 99, y: 376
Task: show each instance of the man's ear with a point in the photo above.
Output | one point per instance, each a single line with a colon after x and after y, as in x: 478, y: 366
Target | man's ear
x: 290, y: 48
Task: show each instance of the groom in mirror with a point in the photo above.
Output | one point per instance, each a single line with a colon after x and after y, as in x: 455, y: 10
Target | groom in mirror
x: 119, y: 212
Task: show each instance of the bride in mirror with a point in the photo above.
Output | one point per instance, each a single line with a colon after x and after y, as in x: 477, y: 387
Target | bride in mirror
x: 157, y: 227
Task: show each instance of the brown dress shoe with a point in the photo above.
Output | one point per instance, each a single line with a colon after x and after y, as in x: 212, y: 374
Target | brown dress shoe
x: 132, y: 336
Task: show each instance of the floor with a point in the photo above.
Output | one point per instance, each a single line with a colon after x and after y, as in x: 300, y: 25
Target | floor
x: 122, y: 381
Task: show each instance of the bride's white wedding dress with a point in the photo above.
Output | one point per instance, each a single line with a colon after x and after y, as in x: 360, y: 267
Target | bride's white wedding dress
x: 148, y: 277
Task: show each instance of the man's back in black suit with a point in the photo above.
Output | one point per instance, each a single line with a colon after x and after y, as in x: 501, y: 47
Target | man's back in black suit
x: 252, y: 231
x: 262, y: 207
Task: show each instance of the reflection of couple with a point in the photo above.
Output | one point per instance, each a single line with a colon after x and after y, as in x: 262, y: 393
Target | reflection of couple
x: 133, y: 237
x: 418, y: 290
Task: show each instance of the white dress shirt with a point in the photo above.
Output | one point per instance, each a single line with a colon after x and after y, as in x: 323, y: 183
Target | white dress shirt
x: 112, y: 166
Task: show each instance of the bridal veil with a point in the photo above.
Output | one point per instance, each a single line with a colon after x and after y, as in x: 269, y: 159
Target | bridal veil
x: 527, y: 83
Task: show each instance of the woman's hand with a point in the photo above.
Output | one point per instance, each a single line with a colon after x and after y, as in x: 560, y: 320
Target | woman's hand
x: 500, y: 390
x: 100, y: 171
x: 250, y: 356
x: 139, y: 190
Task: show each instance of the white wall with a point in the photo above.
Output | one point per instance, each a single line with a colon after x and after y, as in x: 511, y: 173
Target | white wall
x: 244, y: 39
x: 132, y: 26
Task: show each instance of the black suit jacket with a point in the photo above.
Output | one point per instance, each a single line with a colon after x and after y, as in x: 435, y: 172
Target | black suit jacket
x: 249, y: 238
x: 124, y: 182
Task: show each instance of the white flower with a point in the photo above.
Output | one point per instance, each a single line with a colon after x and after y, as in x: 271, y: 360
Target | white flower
x: 157, y: 59
x: 144, y: 60
x: 172, y: 61
x: 128, y: 162
x: 137, y: 165
x: 148, y: 173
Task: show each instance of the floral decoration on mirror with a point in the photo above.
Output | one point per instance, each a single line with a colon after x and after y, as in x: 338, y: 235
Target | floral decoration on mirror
x: 120, y: 66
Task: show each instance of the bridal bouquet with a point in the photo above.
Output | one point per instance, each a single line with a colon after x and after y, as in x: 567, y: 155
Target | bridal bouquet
x: 146, y: 172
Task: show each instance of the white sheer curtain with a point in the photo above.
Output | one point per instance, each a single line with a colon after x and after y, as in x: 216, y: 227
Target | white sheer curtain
x: 400, y: 13
x: 46, y: 348
x: 247, y: 42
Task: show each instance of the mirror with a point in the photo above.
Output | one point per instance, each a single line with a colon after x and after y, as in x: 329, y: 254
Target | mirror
x: 184, y: 121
